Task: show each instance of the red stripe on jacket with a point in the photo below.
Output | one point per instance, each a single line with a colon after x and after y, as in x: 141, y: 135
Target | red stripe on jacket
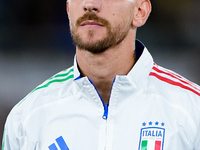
x: 175, y: 76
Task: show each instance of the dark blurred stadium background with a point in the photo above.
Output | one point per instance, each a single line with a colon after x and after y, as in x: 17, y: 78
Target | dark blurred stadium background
x: 35, y: 43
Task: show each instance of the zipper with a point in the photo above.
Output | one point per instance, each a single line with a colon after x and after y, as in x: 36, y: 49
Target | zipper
x: 105, y: 114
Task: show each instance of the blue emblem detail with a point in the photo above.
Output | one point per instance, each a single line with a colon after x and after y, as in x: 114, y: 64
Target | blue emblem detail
x: 150, y: 123
x: 61, y: 143
x: 144, y: 123
x: 156, y: 123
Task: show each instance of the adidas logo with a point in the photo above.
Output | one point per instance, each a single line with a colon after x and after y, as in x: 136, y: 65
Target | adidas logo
x: 59, y: 142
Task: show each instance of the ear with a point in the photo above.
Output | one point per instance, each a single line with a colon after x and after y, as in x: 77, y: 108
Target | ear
x: 142, y: 11
x: 67, y: 8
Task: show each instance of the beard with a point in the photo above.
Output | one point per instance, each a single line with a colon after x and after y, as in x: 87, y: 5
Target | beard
x: 113, y: 37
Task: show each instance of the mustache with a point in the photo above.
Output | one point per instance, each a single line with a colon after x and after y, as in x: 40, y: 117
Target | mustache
x: 94, y: 17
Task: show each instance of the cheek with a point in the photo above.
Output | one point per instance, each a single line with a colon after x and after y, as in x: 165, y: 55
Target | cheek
x: 75, y: 10
x: 73, y: 17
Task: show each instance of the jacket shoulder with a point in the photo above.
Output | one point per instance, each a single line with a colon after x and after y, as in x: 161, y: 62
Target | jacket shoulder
x: 49, y: 91
x: 168, y: 80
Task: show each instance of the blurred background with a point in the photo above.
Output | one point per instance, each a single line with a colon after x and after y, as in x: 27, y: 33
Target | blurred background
x: 35, y: 43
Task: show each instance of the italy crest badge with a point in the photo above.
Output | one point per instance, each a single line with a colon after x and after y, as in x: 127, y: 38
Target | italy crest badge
x: 152, y: 136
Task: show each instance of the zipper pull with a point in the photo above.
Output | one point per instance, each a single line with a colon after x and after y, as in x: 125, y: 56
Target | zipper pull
x: 105, y: 115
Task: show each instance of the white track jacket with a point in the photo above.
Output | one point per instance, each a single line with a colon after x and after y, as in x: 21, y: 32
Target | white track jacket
x: 151, y: 108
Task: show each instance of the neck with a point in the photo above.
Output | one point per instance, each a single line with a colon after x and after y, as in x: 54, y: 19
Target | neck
x: 102, y: 68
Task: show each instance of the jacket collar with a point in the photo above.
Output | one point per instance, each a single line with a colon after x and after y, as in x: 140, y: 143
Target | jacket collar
x: 138, y: 75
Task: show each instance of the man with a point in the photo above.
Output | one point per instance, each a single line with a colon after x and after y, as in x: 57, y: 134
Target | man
x: 114, y: 97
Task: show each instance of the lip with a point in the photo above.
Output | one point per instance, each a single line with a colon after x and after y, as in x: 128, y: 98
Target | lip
x: 90, y: 23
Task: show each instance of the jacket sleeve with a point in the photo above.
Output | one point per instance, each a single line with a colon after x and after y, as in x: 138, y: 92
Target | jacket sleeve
x: 12, y: 136
x: 197, y: 140
x: 197, y: 118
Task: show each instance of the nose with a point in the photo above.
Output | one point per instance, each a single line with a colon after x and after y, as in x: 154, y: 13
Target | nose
x: 92, y: 6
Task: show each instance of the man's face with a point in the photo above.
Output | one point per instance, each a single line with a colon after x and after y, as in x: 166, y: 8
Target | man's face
x: 97, y: 25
